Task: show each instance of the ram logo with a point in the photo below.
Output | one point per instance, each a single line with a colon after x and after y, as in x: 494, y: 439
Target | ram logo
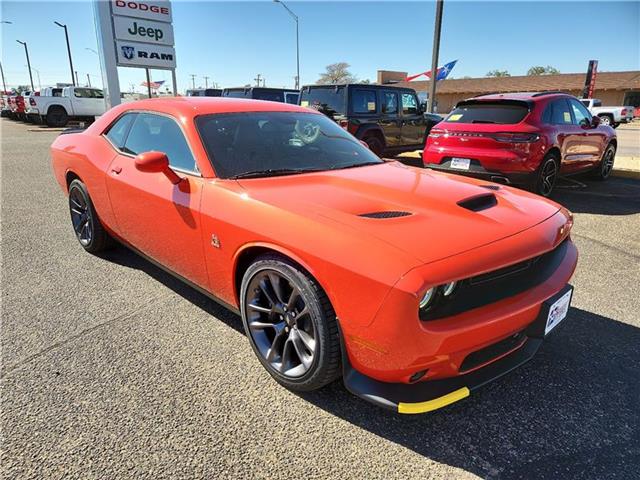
x: 128, y: 52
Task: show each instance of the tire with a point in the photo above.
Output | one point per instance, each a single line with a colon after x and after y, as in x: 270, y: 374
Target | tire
x: 606, y: 120
x: 84, y: 219
x: 605, y: 166
x: 290, y: 324
x: 57, y: 117
x: 375, y: 145
x: 547, y: 175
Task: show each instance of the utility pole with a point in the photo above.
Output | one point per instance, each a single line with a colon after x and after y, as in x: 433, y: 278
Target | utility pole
x: 434, y: 56
x: 206, y: 82
x: 88, y: 80
x: 66, y: 36
x: 4, y: 85
x: 295, y: 17
x: 193, y: 81
x: 26, y: 52
x: 257, y: 79
x: 77, y: 82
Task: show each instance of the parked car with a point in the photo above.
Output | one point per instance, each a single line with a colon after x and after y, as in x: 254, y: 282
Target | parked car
x: 526, y: 139
x: 77, y: 103
x: 389, y: 119
x: 263, y: 93
x: 612, y: 116
x: 17, y: 108
x: 205, y: 92
x: 5, y: 110
x: 31, y: 110
x: 320, y: 245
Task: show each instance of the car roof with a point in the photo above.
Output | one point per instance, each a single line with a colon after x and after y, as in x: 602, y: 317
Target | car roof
x: 530, y: 96
x: 363, y: 85
x: 194, y: 106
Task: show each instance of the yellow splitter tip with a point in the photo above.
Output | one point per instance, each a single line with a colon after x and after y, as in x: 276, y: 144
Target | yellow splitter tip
x: 436, y: 403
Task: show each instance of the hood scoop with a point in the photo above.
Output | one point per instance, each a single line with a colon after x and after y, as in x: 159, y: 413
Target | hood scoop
x: 385, y: 214
x: 477, y: 203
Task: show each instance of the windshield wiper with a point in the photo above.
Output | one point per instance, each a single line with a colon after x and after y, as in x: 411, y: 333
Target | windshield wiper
x: 274, y: 172
x: 354, y: 165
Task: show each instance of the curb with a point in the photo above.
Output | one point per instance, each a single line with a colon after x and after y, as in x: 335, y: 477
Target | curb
x: 625, y: 173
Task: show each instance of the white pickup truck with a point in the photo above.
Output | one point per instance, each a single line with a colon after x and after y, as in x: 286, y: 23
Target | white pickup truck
x: 612, y: 116
x: 57, y: 108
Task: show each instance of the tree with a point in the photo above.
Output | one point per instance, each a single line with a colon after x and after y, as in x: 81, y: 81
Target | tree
x: 498, y: 73
x: 540, y: 70
x: 337, y: 73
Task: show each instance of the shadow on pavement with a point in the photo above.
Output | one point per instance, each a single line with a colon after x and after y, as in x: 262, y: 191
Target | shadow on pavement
x: 616, y: 196
x: 572, y: 412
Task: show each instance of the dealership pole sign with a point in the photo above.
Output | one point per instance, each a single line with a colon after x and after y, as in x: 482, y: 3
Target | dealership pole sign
x: 134, y: 34
x: 590, y: 80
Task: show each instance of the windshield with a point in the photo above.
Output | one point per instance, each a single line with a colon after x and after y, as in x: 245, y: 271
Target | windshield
x: 328, y: 100
x: 489, y: 112
x: 278, y: 143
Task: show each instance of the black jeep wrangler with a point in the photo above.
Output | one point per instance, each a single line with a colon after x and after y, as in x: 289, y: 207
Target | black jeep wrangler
x: 389, y: 119
x: 284, y: 95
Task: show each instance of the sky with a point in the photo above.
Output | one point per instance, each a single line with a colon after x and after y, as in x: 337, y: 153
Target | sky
x: 233, y: 41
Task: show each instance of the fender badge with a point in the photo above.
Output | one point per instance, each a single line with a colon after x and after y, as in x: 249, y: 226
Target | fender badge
x: 215, y: 241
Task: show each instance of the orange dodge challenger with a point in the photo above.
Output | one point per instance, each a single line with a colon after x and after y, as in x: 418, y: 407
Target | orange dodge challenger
x: 415, y: 286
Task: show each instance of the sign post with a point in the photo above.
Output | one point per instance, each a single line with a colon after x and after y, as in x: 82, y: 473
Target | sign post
x: 134, y: 34
x: 590, y: 80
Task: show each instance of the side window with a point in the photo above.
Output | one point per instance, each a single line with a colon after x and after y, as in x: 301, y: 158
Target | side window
x: 389, y: 102
x: 162, y: 134
x: 364, y: 101
x: 117, y: 133
x: 560, y: 113
x: 82, y: 93
x: 580, y: 113
x: 409, y: 103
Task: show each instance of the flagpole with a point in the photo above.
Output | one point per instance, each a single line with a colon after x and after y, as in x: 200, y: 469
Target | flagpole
x: 148, y: 82
x: 434, y: 56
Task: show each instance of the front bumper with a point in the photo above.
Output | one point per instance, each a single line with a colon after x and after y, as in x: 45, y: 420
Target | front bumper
x: 431, y: 395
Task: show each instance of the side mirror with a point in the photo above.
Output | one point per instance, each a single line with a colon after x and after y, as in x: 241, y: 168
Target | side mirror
x: 156, y: 162
x: 595, y: 121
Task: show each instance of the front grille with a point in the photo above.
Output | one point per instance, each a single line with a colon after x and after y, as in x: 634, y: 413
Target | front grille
x: 497, y: 285
x: 493, y: 351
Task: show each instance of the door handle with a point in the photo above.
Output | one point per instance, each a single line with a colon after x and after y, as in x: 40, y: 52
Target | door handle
x: 116, y: 170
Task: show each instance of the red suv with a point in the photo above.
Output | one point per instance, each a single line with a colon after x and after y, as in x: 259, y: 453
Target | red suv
x: 525, y: 139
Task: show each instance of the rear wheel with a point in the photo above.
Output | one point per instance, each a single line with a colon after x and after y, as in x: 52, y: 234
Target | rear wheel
x: 547, y: 175
x: 86, y: 224
x: 375, y: 145
x: 606, y: 120
x: 290, y: 323
x: 57, y: 117
x: 604, y: 168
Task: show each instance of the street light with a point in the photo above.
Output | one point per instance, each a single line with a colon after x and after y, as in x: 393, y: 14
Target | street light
x: 66, y: 36
x: 26, y: 51
x: 38, y: 75
x: 434, y: 56
x: 295, y: 17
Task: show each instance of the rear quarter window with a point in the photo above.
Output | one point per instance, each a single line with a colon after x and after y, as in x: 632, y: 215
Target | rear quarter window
x: 487, y: 112
x: 328, y: 100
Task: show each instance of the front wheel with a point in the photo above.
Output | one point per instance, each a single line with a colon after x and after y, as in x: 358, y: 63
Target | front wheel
x: 86, y: 224
x: 606, y: 120
x: 604, y: 168
x: 290, y: 323
x: 375, y: 145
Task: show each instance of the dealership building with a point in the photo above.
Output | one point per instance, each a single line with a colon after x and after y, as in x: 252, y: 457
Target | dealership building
x: 613, y: 88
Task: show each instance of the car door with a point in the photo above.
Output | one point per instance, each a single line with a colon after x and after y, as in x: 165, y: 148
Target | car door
x: 390, y: 119
x: 87, y: 102
x: 160, y: 219
x: 413, y: 124
x: 593, y: 139
x: 570, y: 136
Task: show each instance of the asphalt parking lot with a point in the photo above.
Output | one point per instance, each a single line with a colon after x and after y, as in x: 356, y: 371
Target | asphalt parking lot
x: 113, y: 369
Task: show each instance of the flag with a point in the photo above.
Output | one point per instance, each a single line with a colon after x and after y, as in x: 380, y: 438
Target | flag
x: 442, y: 72
x: 153, y: 85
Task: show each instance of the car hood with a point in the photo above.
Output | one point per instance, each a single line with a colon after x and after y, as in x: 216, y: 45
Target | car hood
x: 441, y: 214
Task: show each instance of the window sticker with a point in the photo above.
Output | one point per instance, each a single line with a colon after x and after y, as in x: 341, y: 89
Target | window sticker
x: 455, y: 117
x: 304, y: 103
x: 567, y: 117
x: 371, y: 106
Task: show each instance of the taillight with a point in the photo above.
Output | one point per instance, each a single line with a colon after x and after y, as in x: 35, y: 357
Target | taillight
x: 32, y: 102
x: 515, y: 137
x: 436, y: 133
x: 623, y: 112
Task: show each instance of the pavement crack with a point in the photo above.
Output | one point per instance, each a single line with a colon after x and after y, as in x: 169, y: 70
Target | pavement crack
x: 70, y: 339
x: 606, y: 245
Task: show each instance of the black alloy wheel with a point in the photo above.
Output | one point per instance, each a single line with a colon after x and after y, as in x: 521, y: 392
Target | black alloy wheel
x: 603, y: 171
x: 290, y: 324
x: 86, y: 224
x: 547, y: 176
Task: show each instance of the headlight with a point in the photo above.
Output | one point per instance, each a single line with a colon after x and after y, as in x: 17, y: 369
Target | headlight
x: 448, y: 288
x: 427, y: 298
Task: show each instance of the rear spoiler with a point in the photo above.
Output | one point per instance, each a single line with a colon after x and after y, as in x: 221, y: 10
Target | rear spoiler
x: 506, y: 101
x: 73, y: 130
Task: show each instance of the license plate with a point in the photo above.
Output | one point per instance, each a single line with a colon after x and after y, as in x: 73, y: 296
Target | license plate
x: 460, y: 163
x: 558, y: 311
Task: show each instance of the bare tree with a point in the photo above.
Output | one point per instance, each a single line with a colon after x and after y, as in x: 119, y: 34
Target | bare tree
x: 337, y: 73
